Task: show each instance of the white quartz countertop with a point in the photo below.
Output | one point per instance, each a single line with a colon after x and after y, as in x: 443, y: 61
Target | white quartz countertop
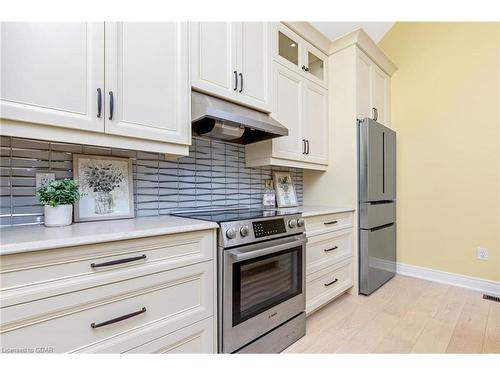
x: 308, y: 211
x: 37, y: 237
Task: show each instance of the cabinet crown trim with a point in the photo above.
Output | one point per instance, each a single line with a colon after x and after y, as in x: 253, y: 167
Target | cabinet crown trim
x: 361, y: 39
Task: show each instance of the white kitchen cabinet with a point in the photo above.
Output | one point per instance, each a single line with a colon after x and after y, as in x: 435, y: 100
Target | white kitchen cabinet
x: 147, y: 81
x: 373, y: 90
x: 287, y: 109
x: 329, y: 259
x: 51, y: 73
x: 297, y: 54
x: 111, y: 84
x: 213, y: 58
x: 302, y: 106
x: 158, y: 296
x: 232, y: 61
x: 315, y: 123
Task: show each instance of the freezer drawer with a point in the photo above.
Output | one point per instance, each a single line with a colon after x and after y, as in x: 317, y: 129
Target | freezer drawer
x: 377, y: 162
x: 376, y: 214
x: 377, y: 257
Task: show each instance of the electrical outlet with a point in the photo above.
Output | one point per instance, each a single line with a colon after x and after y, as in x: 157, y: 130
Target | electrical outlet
x: 43, y: 178
x: 482, y: 253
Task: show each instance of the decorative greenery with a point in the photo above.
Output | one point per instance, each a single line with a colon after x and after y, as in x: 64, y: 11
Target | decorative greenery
x: 284, y: 183
x: 103, y: 177
x: 58, y: 192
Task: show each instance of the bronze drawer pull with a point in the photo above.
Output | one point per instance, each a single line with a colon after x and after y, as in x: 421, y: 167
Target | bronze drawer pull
x: 332, y: 282
x: 331, y: 249
x: 119, y: 261
x: 119, y: 319
x: 331, y: 222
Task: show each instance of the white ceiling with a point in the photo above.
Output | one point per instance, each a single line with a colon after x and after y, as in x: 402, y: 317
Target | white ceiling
x: 333, y: 30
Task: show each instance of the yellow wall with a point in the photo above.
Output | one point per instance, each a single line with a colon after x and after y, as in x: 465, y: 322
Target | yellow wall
x: 445, y: 109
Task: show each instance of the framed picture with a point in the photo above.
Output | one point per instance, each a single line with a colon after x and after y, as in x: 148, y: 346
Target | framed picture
x: 285, y: 192
x: 107, y: 185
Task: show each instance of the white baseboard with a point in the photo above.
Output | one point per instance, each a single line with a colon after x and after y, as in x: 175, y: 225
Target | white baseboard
x: 469, y: 282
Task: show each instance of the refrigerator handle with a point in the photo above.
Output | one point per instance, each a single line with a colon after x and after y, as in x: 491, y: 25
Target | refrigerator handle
x: 383, y: 162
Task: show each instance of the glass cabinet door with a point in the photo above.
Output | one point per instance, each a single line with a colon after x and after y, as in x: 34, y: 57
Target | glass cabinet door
x: 315, y: 65
x: 288, y: 48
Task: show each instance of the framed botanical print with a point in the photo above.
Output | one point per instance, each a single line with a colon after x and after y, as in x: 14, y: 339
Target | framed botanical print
x: 107, y: 185
x: 285, y: 192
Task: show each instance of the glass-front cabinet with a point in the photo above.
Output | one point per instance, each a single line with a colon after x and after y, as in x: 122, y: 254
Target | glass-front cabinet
x: 297, y: 54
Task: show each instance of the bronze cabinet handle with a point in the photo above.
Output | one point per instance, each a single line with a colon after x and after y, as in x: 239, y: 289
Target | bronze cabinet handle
x: 118, y: 261
x: 331, y: 222
x: 119, y: 319
x: 99, y: 102
x: 332, y: 282
x: 331, y: 249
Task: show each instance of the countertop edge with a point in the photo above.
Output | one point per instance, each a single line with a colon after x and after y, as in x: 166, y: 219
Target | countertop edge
x: 318, y: 211
x: 49, y: 244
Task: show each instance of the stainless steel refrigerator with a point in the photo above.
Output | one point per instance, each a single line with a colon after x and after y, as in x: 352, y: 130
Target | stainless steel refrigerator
x: 377, y: 205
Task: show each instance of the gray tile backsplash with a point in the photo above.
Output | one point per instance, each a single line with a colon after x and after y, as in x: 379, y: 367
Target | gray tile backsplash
x: 214, y: 174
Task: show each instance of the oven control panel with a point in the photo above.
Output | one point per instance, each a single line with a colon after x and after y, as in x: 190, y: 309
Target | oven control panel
x: 244, y: 232
x: 266, y: 228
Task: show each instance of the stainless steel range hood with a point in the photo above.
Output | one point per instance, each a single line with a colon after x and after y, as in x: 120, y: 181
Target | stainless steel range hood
x: 217, y: 118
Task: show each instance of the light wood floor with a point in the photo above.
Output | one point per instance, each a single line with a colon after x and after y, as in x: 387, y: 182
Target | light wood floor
x: 406, y: 315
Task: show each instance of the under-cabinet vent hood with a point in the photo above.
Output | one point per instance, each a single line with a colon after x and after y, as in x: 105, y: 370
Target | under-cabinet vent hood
x: 220, y: 119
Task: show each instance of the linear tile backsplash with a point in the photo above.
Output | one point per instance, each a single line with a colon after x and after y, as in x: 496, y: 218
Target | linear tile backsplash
x: 214, y: 174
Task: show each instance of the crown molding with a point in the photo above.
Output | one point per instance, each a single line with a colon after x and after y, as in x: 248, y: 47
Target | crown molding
x: 363, y: 41
x: 311, y: 34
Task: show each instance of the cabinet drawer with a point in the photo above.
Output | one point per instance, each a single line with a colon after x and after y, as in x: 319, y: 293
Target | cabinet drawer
x: 172, y: 300
x: 326, y: 223
x: 196, y: 338
x: 327, y: 249
x: 42, y: 274
x: 321, y: 286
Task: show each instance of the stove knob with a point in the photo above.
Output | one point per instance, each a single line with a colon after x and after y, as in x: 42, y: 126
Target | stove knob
x: 231, y: 233
x: 300, y: 222
x: 292, y: 223
x: 244, y: 231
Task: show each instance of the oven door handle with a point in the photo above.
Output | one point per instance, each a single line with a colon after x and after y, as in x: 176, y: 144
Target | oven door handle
x: 239, y: 256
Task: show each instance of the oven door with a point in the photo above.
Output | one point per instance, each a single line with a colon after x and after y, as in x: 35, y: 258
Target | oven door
x: 263, y: 287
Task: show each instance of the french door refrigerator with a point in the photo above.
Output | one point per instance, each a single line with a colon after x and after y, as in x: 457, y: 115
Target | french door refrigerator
x: 377, y: 205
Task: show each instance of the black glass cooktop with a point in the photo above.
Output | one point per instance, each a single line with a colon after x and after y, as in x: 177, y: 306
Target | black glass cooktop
x: 221, y: 216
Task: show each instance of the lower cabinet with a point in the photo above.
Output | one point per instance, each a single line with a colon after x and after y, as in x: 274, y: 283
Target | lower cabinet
x: 154, y: 305
x: 196, y: 338
x: 329, y: 258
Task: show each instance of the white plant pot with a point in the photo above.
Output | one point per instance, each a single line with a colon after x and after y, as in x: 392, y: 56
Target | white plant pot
x: 58, y: 216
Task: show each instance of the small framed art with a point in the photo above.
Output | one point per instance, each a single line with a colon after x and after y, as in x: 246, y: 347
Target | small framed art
x: 107, y: 185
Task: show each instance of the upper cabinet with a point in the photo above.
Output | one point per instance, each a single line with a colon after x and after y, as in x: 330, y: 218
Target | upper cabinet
x: 300, y: 103
x: 232, y: 61
x: 147, y: 81
x: 110, y: 84
x: 299, y: 55
x: 51, y: 73
x: 373, y: 90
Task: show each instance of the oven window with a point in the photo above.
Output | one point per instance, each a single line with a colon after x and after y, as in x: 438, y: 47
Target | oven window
x: 264, y: 282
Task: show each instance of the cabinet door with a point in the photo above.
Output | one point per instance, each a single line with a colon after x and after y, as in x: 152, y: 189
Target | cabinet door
x: 147, y: 74
x: 315, y: 122
x: 363, y: 86
x: 373, y: 90
x: 379, y: 93
x: 314, y: 64
x: 213, y: 54
x: 254, y: 63
x: 51, y: 72
x: 287, y: 109
x: 286, y: 45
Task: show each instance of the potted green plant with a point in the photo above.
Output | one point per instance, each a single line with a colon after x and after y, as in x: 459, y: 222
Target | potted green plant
x: 58, y: 197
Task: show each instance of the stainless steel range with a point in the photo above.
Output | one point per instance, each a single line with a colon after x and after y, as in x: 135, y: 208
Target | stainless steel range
x: 261, y: 279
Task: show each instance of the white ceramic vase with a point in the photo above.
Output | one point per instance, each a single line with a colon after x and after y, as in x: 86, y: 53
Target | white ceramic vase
x: 58, y: 216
